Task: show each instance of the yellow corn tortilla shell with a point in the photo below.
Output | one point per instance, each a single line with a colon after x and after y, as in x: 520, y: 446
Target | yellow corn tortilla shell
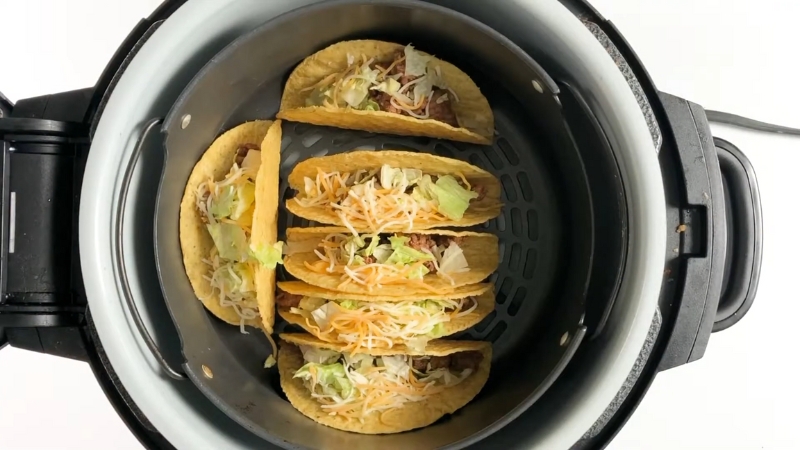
x: 478, y: 212
x: 484, y: 294
x: 472, y: 109
x: 309, y: 290
x: 409, y: 416
x: 265, y: 219
x: 480, y: 249
x: 196, y: 243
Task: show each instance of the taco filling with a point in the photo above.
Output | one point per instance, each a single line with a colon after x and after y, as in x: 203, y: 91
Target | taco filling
x: 226, y: 208
x: 356, y: 385
x: 405, y: 83
x: 390, y: 196
x: 379, y: 324
x: 374, y: 260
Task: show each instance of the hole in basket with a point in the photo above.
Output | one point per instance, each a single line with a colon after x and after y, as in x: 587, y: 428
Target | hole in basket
x: 533, y: 225
x: 484, y: 324
x: 502, y: 248
x: 401, y: 147
x: 516, y: 222
x: 494, y: 158
x: 516, y: 302
x: 285, y: 142
x: 530, y: 263
x: 365, y: 148
x: 443, y: 150
x: 525, y: 186
x: 507, y: 150
x: 301, y: 128
x: 343, y: 139
x: 311, y: 139
x: 322, y: 152
x: 509, y: 188
x: 516, y: 256
x: 501, y: 223
x: 422, y: 140
x: 505, y: 289
x: 496, y: 331
x: 475, y: 160
x: 291, y: 158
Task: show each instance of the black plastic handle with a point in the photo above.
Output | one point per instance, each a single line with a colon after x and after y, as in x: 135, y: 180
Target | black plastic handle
x: 745, y: 236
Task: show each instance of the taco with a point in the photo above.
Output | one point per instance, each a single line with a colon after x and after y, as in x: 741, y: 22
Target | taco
x: 393, y: 191
x: 385, y: 87
x: 363, y: 322
x: 397, y: 265
x: 384, y: 391
x: 229, y: 257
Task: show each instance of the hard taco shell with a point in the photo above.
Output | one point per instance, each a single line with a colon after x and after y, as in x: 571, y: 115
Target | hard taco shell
x: 196, y: 243
x: 483, y: 292
x: 265, y: 219
x: 411, y: 415
x: 480, y: 249
x: 478, y: 212
x: 472, y: 108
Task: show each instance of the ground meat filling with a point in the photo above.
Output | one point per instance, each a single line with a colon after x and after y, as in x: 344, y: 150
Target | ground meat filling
x: 456, y: 362
x: 287, y: 300
x: 242, y: 151
x: 439, y: 110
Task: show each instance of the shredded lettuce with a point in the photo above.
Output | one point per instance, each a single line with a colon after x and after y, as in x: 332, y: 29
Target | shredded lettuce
x: 319, y: 95
x: 349, y: 304
x: 370, y: 105
x: 268, y: 256
x: 418, y: 273
x: 359, y: 361
x: 392, y: 178
x: 319, y: 355
x: 322, y: 314
x: 373, y: 244
x: 222, y: 205
x: 245, y: 196
x: 453, y: 259
x: 382, y: 253
x: 404, y: 254
x: 438, y: 330
x: 416, y: 62
x: 389, y: 86
x: 451, y: 197
x: 330, y: 377
x: 311, y: 303
x: 230, y: 240
x: 396, y: 365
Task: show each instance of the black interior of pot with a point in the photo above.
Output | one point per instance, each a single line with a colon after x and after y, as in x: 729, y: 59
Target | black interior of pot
x: 547, y: 229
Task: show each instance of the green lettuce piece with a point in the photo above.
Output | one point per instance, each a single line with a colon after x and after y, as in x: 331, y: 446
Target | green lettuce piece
x: 438, y: 330
x: 370, y: 105
x: 223, y: 205
x: 373, y: 244
x: 418, y: 273
x: 230, y: 240
x: 451, y: 197
x: 349, y: 304
x: 268, y: 256
x: 404, y: 254
x: 331, y: 377
x: 245, y: 196
x: 431, y: 305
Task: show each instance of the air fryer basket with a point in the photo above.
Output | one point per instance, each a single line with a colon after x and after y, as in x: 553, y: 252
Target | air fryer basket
x: 547, y: 230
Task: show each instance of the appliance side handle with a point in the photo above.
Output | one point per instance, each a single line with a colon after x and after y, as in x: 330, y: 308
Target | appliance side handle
x: 698, y: 244
x: 745, y: 235
x: 43, y: 143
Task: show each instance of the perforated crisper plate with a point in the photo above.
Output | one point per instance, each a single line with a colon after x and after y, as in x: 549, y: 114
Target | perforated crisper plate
x: 545, y: 231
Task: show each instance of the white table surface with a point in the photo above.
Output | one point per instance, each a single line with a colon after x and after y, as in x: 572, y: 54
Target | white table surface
x: 734, y: 55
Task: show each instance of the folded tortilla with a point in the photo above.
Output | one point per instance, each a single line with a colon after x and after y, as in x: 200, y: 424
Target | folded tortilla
x: 364, y: 322
x: 437, y: 192
x: 229, y: 271
x: 363, y: 389
x: 394, y: 268
x: 360, y: 85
